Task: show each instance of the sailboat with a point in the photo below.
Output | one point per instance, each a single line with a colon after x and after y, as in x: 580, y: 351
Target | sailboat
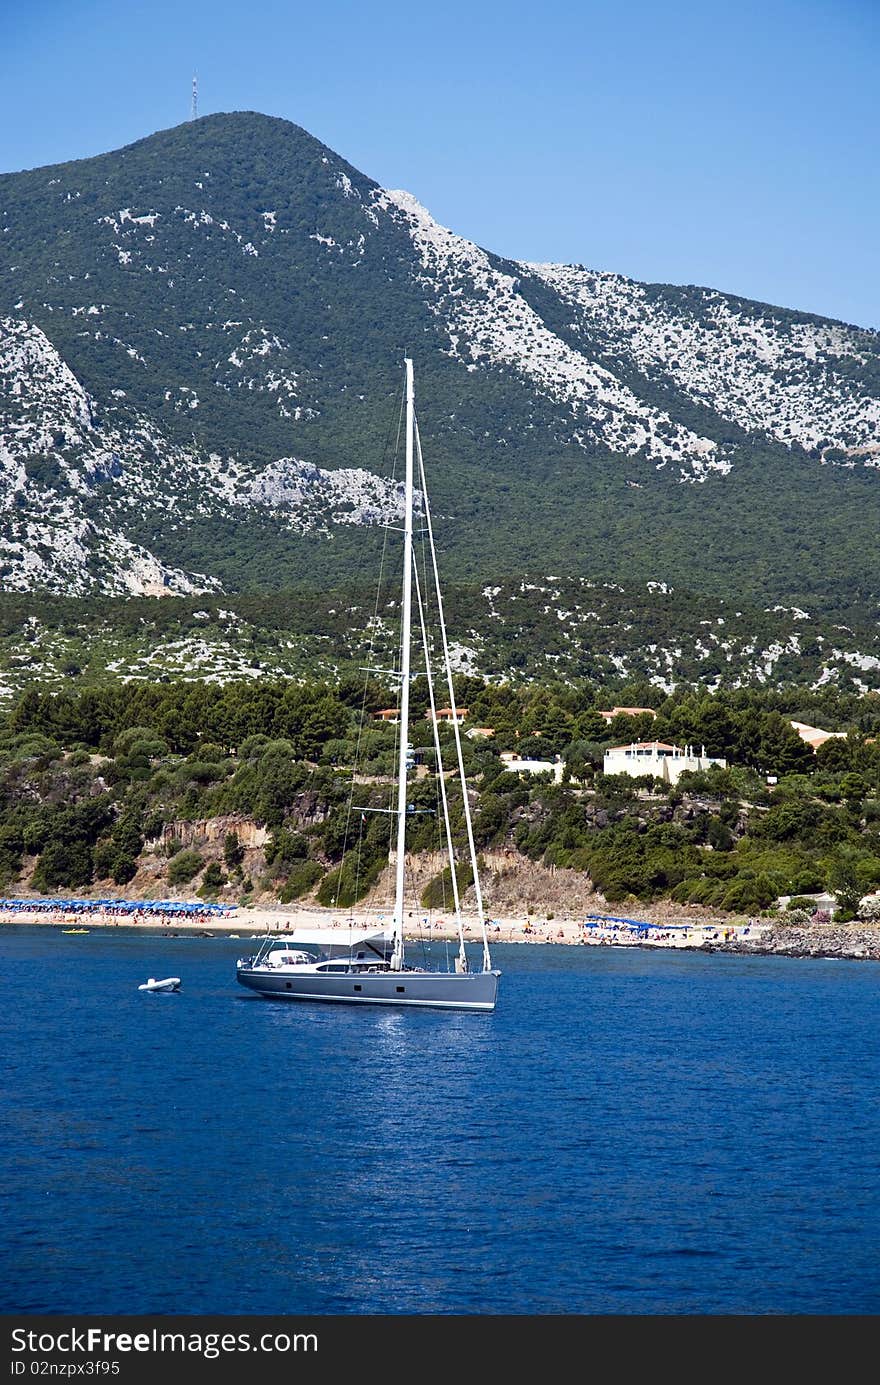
x: 367, y: 966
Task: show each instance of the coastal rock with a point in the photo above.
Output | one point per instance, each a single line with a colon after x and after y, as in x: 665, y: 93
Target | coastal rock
x: 850, y: 940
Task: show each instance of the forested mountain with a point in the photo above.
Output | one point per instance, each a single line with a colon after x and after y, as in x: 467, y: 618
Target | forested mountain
x: 201, y: 339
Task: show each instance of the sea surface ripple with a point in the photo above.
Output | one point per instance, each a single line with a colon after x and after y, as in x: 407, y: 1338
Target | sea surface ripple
x: 630, y: 1132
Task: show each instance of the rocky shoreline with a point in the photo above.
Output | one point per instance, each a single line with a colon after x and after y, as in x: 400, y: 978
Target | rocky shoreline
x: 846, y: 941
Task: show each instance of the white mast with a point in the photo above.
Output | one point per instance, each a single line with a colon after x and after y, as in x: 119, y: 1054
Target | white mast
x: 406, y: 622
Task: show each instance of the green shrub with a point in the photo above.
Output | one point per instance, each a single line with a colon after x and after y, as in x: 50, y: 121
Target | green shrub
x: 63, y: 865
x: 103, y: 857
x: 233, y: 851
x: 300, y: 881
x: 123, y: 868
x: 201, y: 772
x: 797, y: 916
x: 285, y: 848
x: 184, y: 867
x: 212, y: 880
x: 345, y: 885
x: 437, y: 894
x: 747, y: 895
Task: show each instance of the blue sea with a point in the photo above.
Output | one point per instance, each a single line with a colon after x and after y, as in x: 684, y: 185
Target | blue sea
x: 631, y: 1132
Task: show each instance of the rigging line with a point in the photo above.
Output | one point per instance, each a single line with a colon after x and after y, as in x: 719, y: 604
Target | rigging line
x: 373, y: 626
x: 355, y: 583
x: 421, y: 610
x: 410, y: 887
x: 441, y: 809
x: 357, y: 869
x: 487, y: 965
x: 423, y: 926
x: 438, y: 844
x: 424, y: 594
x: 444, y: 902
x: 386, y: 449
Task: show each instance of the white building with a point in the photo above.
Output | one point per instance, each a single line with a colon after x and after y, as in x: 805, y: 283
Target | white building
x: 664, y: 761
x: 514, y: 765
x: 446, y: 714
x: 627, y: 712
x: 815, y: 736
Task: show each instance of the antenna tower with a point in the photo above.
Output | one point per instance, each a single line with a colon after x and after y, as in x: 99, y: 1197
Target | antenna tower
x: 194, y: 108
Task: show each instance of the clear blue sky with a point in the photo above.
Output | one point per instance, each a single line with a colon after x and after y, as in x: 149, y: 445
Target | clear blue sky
x: 721, y: 142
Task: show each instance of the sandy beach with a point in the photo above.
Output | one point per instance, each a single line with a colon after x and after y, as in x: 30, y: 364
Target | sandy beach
x: 856, y: 941
x: 257, y: 922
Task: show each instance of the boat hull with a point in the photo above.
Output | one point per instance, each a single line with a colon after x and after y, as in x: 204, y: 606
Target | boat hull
x: 435, y: 990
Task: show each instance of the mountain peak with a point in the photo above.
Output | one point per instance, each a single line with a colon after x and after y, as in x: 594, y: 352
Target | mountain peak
x: 220, y: 309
